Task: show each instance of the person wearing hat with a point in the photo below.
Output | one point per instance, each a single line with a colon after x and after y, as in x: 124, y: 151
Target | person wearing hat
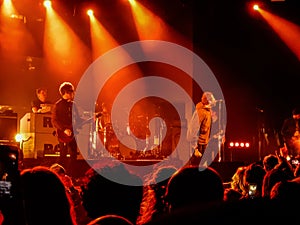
x: 63, y: 114
x: 291, y: 133
x: 199, y: 129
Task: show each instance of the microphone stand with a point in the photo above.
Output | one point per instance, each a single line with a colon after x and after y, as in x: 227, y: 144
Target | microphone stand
x: 220, y: 133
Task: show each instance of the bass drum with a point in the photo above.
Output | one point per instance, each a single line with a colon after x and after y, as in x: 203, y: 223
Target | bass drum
x: 128, y: 147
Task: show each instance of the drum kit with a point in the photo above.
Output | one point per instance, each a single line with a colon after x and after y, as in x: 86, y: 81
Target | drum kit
x: 130, y: 144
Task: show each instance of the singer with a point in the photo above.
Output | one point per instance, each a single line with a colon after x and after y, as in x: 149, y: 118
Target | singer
x: 199, y: 128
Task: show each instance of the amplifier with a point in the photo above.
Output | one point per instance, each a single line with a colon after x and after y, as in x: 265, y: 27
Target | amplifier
x: 37, y: 130
x: 39, y: 144
x: 37, y: 123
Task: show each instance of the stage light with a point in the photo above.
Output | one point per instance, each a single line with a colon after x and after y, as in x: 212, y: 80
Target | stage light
x: 256, y: 7
x: 7, y: 8
x: 132, y: 2
x: 47, y: 3
x: 90, y: 12
x: 238, y: 144
x: 19, y: 137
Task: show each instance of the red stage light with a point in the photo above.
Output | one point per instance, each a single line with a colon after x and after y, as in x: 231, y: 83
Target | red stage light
x: 256, y: 7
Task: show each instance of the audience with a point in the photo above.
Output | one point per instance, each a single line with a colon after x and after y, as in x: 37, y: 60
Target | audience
x: 192, y: 209
x: 73, y: 191
x: 297, y: 170
x: 237, y: 189
x: 111, y: 220
x: 191, y: 185
x: 237, y: 182
x: 153, y: 203
x: 108, y: 192
x: 45, y: 199
x: 270, y: 161
x: 286, y: 192
x: 261, y: 192
x: 253, y: 180
x: 192, y: 195
x: 283, y: 171
x: 231, y: 195
x: 286, y: 195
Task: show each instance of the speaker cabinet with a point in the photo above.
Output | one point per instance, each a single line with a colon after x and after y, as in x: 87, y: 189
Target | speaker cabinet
x: 37, y: 131
x: 36, y: 123
x: 39, y: 144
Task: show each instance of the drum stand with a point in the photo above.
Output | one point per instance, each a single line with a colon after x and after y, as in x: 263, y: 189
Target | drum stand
x: 97, y: 150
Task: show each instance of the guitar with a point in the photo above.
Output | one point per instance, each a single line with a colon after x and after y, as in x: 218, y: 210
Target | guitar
x: 63, y: 137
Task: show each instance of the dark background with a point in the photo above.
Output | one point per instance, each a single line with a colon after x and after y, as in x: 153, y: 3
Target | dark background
x: 257, y: 72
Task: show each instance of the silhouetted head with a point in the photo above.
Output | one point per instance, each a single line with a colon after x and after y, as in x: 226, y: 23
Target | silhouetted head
x: 110, y: 220
x: 286, y: 192
x: 270, y: 161
x: 191, y: 185
x: 45, y: 199
x: 104, y: 195
x: 253, y: 178
x: 59, y: 169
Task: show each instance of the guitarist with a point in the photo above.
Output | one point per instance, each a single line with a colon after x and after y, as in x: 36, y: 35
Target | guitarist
x: 62, y: 119
x: 290, y: 132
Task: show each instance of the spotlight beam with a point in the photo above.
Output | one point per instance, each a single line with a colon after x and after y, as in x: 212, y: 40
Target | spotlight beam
x: 286, y: 30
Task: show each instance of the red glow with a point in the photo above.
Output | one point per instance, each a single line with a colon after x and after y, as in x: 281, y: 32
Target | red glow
x: 151, y: 26
x: 101, y: 39
x: 64, y: 52
x: 239, y: 144
x: 7, y: 8
x: 15, y: 38
x: 286, y: 30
